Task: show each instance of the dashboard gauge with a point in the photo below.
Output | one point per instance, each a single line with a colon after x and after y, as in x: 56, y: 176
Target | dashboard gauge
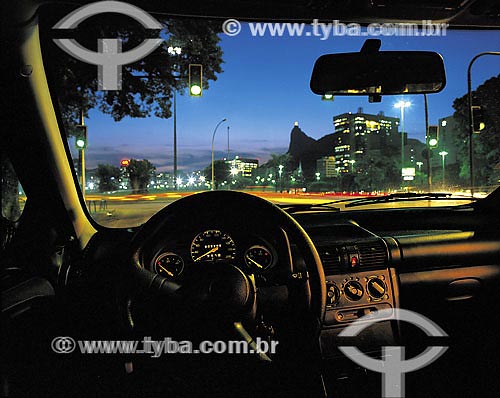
x: 258, y: 258
x: 169, y: 265
x: 213, y: 245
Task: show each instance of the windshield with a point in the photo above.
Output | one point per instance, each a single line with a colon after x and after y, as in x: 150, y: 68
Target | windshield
x: 226, y: 105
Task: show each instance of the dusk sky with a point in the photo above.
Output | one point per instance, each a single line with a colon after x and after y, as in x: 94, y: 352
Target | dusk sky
x: 264, y: 89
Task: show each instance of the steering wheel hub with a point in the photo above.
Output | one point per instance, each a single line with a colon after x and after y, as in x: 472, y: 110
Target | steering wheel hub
x: 231, y: 288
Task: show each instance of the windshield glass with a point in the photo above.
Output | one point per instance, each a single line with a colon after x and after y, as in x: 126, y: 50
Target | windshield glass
x: 227, y: 105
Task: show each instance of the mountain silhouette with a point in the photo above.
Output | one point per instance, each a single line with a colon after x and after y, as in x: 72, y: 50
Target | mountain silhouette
x: 306, y: 150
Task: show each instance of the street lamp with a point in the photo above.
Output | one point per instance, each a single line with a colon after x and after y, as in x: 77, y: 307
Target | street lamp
x: 352, y: 165
x: 280, y: 172
x: 443, y: 154
x: 228, y: 143
x: 401, y: 105
x: 213, y: 138
x: 81, y: 144
x: 175, y: 51
x: 318, y: 176
x: 420, y: 164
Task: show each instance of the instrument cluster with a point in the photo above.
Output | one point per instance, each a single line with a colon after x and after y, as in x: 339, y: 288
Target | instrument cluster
x: 253, y: 255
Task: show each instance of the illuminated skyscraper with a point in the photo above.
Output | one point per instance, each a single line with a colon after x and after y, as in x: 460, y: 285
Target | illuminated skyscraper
x: 359, y: 133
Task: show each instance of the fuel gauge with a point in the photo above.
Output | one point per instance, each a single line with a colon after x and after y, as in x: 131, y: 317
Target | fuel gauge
x: 258, y: 258
x: 169, y: 265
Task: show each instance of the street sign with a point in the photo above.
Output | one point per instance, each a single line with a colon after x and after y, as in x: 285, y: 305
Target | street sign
x: 408, y: 172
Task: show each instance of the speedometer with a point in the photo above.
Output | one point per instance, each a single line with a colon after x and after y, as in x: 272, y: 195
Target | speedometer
x: 213, y: 245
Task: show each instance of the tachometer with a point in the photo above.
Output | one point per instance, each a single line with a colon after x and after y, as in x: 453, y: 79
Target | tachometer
x: 258, y: 258
x: 169, y: 265
x: 213, y: 245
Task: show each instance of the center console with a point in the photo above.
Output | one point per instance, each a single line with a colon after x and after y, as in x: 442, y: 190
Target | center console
x: 360, y: 283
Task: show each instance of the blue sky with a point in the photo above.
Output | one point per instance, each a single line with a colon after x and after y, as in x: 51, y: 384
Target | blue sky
x: 264, y: 89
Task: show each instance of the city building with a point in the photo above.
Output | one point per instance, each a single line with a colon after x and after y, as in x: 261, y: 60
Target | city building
x: 162, y: 180
x: 414, y: 154
x: 326, y: 167
x: 242, y: 166
x: 359, y: 133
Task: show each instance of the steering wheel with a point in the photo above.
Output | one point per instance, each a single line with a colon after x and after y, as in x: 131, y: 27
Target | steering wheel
x: 226, y: 292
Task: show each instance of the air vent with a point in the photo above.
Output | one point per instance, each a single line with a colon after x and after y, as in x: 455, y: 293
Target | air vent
x: 372, y: 254
x: 331, y: 259
x: 357, y: 256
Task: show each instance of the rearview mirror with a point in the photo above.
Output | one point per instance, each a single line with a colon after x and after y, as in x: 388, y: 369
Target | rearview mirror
x: 378, y: 73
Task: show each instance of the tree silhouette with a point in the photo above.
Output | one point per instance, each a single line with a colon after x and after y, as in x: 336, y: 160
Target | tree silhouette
x: 221, y: 172
x: 140, y: 173
x: 487, y: 143
x: 108, y: 177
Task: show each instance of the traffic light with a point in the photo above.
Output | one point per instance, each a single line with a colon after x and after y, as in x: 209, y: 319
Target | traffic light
x: 81, y: 137
x: 327, y: 97
x: 433, y: 136
x: 478, y: 118
x: 195, y: 80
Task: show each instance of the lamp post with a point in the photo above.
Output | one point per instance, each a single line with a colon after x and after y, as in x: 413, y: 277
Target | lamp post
x: 228, y: 143
x: 175, y: 51
x: 420, y: 164
x: 81, y: 153
x: 213, y: 138
x: 280, y: 172
x: 234, y: 174
x: 352, y: 165
x: 401, y: 105
x: 428, y: 146
x: 443, y: 155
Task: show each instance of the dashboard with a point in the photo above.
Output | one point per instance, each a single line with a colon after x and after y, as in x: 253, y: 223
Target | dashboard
x: 262, y: 253
x: 359, y: 280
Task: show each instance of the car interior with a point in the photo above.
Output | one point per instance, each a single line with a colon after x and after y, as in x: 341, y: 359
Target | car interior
x: 317, y: 269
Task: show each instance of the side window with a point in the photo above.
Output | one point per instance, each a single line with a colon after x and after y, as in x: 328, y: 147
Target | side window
x: 12, y: 196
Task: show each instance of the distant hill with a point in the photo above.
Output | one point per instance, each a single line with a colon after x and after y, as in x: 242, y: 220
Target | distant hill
x: 306, y: 150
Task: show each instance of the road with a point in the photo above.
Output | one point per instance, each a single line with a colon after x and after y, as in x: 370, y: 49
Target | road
x: 132, y: 210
